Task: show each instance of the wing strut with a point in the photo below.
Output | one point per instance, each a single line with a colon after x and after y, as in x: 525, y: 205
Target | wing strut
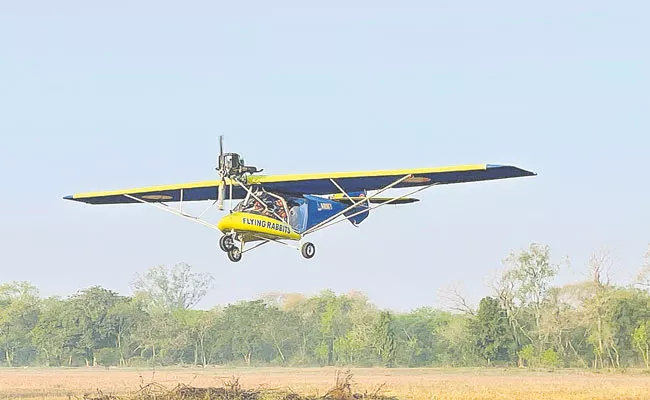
x: 327, y: 225
x: 356, y: 204
x: 341, y: 189
x: 169, y: 209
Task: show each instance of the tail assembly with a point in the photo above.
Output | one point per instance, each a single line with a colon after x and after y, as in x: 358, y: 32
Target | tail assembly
x: 356, y: 197
x: 321, y: 209
x: 355, y: 215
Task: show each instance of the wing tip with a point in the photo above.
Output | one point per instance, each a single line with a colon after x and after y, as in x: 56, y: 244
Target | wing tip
x: 522, y: 171
x: 72, y: 198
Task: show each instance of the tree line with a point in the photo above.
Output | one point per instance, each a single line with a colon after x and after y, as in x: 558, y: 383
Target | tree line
x: 526, y: 321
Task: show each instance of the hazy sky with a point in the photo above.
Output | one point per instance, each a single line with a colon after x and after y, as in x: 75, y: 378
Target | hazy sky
x: 121, y: 94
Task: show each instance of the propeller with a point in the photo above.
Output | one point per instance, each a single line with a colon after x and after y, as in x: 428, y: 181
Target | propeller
x: 222, y: 171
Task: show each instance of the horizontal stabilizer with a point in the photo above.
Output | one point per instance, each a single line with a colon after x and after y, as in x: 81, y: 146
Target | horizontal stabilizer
x: 376, y: 200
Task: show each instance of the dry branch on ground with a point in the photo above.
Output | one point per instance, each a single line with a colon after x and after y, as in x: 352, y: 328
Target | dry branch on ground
x: 232, y: 390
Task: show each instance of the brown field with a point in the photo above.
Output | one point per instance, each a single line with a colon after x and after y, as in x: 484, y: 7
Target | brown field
x: 416, y: 384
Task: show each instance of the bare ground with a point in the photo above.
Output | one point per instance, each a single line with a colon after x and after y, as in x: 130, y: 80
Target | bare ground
x: 416, y: 384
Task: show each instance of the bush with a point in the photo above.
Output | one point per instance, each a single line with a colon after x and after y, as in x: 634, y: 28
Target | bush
x: 527, y: 354
x: 550, y: 358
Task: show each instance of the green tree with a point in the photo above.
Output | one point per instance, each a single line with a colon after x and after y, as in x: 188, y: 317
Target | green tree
x: 420, y: 341
x: 529, y: 276
x: 562, y: 324
x: 641, y: 339
x: 155, y: 337
x: 459, y: 349
x: 122, y: 319
x: 359, y: 344
x: 305, y: 312
x: 281, y: 330
x: 626, y: 309
x: 199, y: 325
x: 490, y: 330
x: 242, y: 325
x: 385, y: 339
x: 49, y: 334
x: 333, y: 323
x: 598, y: 312
x: 90, y: 314
x: 19, y: 311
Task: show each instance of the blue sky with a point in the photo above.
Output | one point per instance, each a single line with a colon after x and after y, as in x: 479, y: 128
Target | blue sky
x: 107, y: 96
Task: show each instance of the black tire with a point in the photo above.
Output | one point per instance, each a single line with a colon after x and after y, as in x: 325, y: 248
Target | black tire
x: 308, y: 250
x: 227, y: 243
x: 234, y: 255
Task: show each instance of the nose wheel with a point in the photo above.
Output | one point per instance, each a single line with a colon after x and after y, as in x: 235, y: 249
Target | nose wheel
x: 234, y: 255
x: 308, y: 250
x: 227, y: 243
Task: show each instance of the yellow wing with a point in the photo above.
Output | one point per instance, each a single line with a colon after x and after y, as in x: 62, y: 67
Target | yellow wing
x: 195, y: 191
x: 374, y: 180
x: 315, y: 184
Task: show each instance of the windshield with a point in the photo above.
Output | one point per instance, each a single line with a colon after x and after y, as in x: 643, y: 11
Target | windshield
x: 298, y: 213
x: 266, y: 204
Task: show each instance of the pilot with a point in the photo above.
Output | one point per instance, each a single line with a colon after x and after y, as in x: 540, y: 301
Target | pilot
x: 269, y: 209
x: 257, y: 207
x: 280, y: 209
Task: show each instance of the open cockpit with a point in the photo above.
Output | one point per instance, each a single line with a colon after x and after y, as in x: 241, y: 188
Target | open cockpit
x: 290, y: 210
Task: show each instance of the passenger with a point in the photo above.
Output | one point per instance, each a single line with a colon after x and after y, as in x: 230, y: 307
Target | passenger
x: 269, y: 210
x: 282, y: 213
x: 257, y: 207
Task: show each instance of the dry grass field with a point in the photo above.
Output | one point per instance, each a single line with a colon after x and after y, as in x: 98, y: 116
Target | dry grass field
x: 415, y: 384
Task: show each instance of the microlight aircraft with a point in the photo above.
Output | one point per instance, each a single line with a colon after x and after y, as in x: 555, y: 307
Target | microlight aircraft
x: 285, y: 209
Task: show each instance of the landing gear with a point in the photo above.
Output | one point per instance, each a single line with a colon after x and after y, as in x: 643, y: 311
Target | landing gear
x: 233, y: 245
x: 308, y: 250
x: 234, y: 254
x: 227, y: 243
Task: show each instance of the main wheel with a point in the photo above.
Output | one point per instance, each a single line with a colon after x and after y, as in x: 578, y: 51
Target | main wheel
x: 308, y: 250
x: 227, y: 243
x: 234, y: 255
